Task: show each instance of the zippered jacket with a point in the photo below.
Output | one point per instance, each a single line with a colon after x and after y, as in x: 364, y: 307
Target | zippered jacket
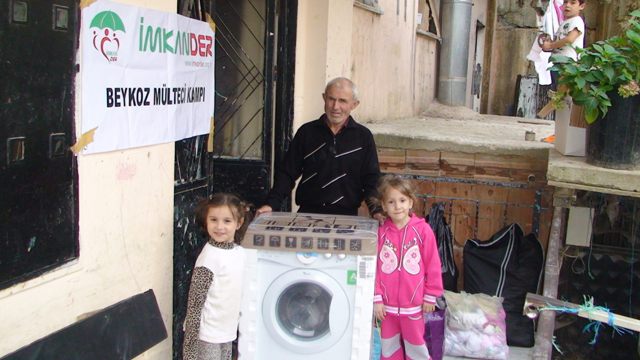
x: 409, y: 271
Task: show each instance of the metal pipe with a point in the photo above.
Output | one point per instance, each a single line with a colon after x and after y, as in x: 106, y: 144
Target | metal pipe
x: 454, y: 53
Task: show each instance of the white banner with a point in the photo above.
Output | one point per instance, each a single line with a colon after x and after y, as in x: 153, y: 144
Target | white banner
x: 147, y: 76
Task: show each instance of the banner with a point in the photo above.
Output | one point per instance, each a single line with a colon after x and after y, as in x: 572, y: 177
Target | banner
x: 147, y: 77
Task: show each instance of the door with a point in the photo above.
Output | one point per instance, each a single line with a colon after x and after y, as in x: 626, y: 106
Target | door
x: 306, y: 311
x: 253, y: 38
x: 478, y: 56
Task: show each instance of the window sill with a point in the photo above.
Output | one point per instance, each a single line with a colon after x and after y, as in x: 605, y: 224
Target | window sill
x: 71, y: 267
x: 429, y: 35
x: 374, y: 9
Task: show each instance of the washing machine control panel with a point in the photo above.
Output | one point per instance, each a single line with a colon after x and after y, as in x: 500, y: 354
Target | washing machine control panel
x: 313, y: 233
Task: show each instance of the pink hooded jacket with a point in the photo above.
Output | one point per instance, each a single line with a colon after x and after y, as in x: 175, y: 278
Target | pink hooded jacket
x: 409, y: 271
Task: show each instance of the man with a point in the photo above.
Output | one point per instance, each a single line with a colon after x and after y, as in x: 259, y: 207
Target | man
x: 334, y: 157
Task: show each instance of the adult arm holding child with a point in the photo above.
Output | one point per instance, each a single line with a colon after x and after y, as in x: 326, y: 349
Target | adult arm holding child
x: 560, y: 43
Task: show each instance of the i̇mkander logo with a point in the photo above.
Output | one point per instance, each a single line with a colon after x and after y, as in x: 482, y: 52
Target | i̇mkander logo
x: 107, y: 29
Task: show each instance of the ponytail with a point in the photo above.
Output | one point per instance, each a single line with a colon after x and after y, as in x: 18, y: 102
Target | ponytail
x: 247, y: 212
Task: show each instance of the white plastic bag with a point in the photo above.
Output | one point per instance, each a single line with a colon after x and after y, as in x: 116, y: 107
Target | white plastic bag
x: 475, y: 326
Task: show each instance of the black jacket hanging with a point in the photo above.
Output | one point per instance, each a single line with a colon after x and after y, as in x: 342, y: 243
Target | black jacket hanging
x: 444, y: 238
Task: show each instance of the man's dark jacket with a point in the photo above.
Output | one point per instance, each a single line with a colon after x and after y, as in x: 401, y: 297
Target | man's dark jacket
x: 336, y: 172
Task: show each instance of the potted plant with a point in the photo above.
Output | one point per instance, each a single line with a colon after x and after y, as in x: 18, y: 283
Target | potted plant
x: 605, y: 82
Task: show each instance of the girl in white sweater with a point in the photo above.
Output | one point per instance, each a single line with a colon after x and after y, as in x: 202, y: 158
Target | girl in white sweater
x: 213, y: 307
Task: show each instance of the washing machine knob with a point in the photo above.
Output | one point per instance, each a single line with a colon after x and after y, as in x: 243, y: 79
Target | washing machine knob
x: 342, y: 256
x: 327, y: 255
x: 307, y: 258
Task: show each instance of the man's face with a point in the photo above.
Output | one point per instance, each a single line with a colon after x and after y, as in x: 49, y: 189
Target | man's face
x: 338, y: 103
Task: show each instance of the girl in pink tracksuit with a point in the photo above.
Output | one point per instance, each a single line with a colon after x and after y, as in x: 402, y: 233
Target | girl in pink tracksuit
x: 408, y: 276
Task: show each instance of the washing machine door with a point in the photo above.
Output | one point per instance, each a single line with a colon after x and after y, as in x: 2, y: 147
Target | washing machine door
x: 306, y: 311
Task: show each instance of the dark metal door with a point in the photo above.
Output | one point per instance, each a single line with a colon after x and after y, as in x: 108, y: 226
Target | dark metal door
x: 38, y: 222
x: 253, y: 38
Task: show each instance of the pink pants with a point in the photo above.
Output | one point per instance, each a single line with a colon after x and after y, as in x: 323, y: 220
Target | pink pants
x: 402, y: 337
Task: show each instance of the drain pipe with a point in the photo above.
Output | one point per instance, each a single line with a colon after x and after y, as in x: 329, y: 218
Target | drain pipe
x: 454, y: 53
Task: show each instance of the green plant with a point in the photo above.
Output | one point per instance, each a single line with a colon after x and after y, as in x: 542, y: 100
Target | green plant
x: 603, y: 67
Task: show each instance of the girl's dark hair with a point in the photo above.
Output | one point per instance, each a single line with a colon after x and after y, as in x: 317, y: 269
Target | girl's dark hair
x: 241, y: 210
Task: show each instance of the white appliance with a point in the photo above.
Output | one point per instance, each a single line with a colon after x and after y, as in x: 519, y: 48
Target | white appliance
x: 307, y: 304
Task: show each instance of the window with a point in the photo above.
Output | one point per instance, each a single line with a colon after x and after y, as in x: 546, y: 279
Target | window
x: 371, y: 5
x: 38, y: 221
x: 428, y: 17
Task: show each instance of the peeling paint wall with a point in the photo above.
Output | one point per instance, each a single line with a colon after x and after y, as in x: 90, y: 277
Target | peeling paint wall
x: 125, y: 232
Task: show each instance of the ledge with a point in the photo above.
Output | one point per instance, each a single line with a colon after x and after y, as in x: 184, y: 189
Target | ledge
x: 459, y: 129
x: 374, y: 9
x: 429, y: 35
x: 574, y: 173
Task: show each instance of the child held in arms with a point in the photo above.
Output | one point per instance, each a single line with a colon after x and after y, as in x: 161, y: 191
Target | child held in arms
x: 570, y: 34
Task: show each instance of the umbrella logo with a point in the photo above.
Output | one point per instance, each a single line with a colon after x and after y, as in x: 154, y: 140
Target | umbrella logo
x: 106, y: 27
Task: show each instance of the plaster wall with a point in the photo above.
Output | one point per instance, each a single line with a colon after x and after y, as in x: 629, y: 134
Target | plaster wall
x: 426, y: 70
x: 382, y: 64
x: 323, y: 50
x: 125, y: 234
x: 393, y: 67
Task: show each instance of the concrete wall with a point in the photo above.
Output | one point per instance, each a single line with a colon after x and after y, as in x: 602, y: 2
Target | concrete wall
x: 393, y: 67
x: 511, y: 46
x: 126, y: 234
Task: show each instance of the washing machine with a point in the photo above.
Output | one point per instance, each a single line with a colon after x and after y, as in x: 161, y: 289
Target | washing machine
x: 313, y: 304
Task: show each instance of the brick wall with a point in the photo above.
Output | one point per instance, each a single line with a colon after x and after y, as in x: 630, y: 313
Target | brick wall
x: 482, y: 192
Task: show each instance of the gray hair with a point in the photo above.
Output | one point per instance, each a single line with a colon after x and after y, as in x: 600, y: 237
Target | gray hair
x: 340, y: 80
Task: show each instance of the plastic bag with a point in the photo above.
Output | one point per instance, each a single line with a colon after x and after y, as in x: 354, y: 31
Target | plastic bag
x: 475, y: 326
x: 376, y: 345
x: 434, y: 333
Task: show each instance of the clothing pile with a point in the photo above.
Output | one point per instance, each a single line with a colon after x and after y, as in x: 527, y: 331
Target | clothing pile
x: 475, y: 326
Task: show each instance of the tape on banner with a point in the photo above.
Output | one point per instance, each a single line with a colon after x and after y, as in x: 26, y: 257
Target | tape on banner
x: 84, y: 140
x: 212, y: 128
x: 85, y: 3
x: 211, y: 23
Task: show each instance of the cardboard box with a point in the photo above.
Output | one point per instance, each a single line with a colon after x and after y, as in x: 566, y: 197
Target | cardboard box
x: 570, y: 131
x: 300, y: 232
